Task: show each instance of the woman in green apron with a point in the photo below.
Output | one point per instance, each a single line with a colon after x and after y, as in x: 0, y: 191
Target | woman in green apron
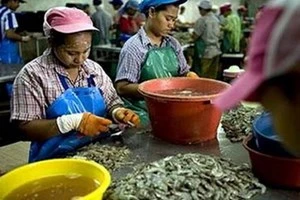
x: 151, y: 53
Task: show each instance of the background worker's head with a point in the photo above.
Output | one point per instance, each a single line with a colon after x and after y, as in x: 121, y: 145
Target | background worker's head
x: 204, y: 7
x: 225, y: 9
x: 70, y: 34
x: 272, y: 75
x: 131, y: 7
x: 161, y: 15
x: 12, y: 4
x: 117, y: 4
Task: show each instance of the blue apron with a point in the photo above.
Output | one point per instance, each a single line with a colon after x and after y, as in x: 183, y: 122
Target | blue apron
x: 9, y: 52
x: 73, y: 100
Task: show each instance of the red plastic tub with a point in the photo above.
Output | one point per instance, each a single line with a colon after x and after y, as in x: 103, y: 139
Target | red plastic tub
x: 180, y: 108
x: 273, y: 170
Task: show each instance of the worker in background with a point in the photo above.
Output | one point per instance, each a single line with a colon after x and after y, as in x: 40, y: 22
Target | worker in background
x: 181, y: 23
x: 272, y: 75
x: 151, y: 53
x: 245, y: 24
x: 207, y: 42
x: 115, y: 30
x: 9, y: 38
x: 128, y: 22
x: 62, y: 100
x: 116, y: 4
x: 231, y: 28
x: 103, y: 21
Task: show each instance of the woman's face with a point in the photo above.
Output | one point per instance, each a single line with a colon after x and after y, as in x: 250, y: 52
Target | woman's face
x: 282, y: 98
x: 164, y: 21
x: 75, y: 50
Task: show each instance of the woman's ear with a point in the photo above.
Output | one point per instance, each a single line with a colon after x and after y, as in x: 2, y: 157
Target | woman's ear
x: 151, y: 12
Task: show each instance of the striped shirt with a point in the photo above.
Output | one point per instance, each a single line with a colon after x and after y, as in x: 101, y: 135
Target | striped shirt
x: 134, y: 53
x: 7, y: 20
x: 37, y: 85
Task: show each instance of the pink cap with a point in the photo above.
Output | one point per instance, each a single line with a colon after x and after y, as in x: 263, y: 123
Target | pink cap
x: 67, y: 20
x: 264, y: 51
x: 225, y: 7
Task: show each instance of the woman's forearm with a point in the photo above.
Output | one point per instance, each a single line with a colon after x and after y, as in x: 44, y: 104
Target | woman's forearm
x: 40, y: 129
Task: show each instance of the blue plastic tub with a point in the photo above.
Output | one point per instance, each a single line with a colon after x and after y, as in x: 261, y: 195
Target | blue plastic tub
x: 267, y: 139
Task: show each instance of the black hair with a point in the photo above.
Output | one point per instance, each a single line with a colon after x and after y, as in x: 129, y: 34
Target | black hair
x: 84, y: 6
x: 206, y: 10
x: 57, y: 39
x: 97, y: 2
x: 4, y: 1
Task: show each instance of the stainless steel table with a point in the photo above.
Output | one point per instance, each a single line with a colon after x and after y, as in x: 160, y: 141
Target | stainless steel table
x: 149, y: 148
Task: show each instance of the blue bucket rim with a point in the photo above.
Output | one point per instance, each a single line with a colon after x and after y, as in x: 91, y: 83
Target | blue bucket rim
x: 261, y: 134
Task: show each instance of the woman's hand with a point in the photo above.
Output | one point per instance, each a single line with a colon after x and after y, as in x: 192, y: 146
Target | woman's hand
x: 127, y: 116
x: 92, y: 125
x: 192, y: 75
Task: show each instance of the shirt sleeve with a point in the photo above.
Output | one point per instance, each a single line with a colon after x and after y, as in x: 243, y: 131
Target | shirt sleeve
x: 11, y: 21
x: 28, y: 100
x: 199, y: 27
x: 110, y: 95
x: 128, y: 67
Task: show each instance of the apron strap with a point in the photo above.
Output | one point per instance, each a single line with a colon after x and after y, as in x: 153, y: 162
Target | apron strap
x: 90, y: 80
x: 63, y: 81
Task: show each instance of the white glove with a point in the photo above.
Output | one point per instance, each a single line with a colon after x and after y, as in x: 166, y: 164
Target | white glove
x: 67, y: 123
x: 86, y: 123
x: 26, y: 38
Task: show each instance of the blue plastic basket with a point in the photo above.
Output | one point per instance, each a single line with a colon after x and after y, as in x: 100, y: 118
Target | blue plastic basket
x: 267, y: 139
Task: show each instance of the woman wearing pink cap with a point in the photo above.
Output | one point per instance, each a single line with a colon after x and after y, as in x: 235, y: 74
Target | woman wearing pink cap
x: 62, y: 100
x: 272, y: 75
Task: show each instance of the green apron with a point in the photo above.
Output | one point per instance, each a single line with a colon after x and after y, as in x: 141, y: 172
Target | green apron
x: 159, y: 63
x: 225, y: 44
x: 199, y: 49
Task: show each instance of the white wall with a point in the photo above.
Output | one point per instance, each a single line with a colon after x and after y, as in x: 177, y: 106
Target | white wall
x: 191, y: 14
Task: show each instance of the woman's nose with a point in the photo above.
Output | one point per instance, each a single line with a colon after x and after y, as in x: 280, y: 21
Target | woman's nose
x: 80, y: 58
x: 172, y: 24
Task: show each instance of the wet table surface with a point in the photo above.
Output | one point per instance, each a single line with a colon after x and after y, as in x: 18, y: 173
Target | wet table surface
x: 149, y: 148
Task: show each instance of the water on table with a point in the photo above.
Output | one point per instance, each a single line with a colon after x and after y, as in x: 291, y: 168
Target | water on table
x: 62, y: 187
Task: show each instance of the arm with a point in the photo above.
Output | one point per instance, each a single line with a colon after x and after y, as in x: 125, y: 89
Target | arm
x: 38, y: 130
x: 128, y: 89
x: 199, y: 28
x: 128, y: 73
x: 10, y: 34
x: 10, y: 25
x: 28, y: 107
x: 116, y: 110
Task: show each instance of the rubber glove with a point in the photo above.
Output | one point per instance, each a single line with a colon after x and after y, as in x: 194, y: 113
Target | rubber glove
x: 192, y: 75
x: 126, y: 116
x: 92, y: 125
x: 85, y: 123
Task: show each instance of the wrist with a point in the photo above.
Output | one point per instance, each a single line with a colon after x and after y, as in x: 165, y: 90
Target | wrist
x: 67, y: 123
x: 114, y: 114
